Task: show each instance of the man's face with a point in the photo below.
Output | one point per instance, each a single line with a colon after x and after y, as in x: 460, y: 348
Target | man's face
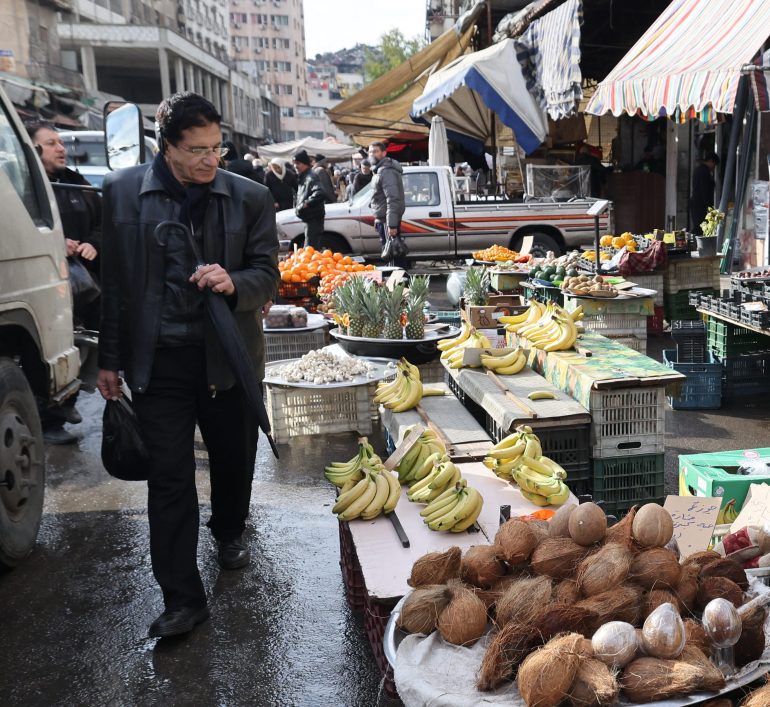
x: 365, y: 168
x: 301, y: 167
x: 54, y: 154
x: 192, y: 160
x: 376, y: 153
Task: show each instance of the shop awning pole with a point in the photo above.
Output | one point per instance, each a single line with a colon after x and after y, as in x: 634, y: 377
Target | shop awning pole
x: 493, y: 126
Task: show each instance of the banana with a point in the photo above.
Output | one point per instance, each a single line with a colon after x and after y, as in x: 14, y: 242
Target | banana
x: 536, y: 465
x: 505, y: 469
x: 533, y: 450
x: 432, y: 391
x: 357, y: 507
x: 412, y: 397
x: 514, y: 318
x: 560, y: 497
x: 380, y: 497
x: 473, y: 513
x: 349, y: 484
x: 447, y: 520
x: 425, y: 481
x: 493, y: 362
x: 444, y: 476
x: 514, y: 368
x: 567, y: 336
x: 427, y: 466
x: 422, y: 454
x: 405, y: 465
x: 534, y: 498
x: 508, y: 441
x: 508, y: 452
x: 445, y: 514
x: 577, y: 313
x: 439, y: 504
x: 345, y: 500
x: 446, y: 344
x: 489, y: 462
x: 394, y: 494
x: 541, y: 395
x: 557, y: 471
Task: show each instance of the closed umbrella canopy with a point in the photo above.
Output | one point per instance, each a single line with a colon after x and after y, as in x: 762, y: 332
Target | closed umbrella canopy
x: 469, y: 90
x: 438, y: 149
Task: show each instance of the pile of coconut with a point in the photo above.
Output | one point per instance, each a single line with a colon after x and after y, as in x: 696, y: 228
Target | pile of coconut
x: 577, y: 612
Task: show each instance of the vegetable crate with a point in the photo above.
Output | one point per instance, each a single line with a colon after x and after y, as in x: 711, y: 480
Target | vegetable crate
x: 726, y: 340
x: 470, y: 405
x: 691, y: 274
x: 746, y: 376
x: 677, y: 305
x: 635, y: 343
x: 508, y: 282
x: 296, y: 290
x: 622, y: 482
x: 280, y: 346
x: 302, y: 411
x: 352, y: 576
x: 569, y: 447
x: 376, y: 615
x: 703, y: 388
x: 617, y: 325
x: 628, y: 421
x: 544, y: 294
x: 689, y: 335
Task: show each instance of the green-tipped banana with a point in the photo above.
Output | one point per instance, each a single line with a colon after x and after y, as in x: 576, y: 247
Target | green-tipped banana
x: 357, y: 507
x: 473, y: 513
x: 541, y: 395
x: 349, y: 497
x: 394, y: 493
x: 560, y: 497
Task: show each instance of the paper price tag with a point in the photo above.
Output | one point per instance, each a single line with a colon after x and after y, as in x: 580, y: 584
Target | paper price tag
x: 756, y: 508
x: 472, y: 357
x: 694, y: 520
x: 401, y: 450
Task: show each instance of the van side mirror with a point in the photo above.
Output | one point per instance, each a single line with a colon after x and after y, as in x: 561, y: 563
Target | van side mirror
x: 123, y: 135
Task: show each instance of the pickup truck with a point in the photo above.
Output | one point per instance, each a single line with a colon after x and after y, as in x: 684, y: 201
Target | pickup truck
x: 442, y: 222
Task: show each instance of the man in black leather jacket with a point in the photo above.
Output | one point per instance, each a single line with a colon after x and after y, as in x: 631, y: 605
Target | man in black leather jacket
x: 309, y: 206
x: 154, y: 329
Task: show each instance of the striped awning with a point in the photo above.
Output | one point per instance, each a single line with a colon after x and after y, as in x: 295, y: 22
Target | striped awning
x: 688, y: 64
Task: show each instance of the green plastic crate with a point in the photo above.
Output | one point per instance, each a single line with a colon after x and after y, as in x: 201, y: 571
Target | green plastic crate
x: 725, y: 340
x: 677, y: 306
x: 447, y: 316
x: 544, y: 294
x: 622, y: 482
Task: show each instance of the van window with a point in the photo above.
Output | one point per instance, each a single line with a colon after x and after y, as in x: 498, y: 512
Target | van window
x: 421, y: 189
x: 14, y: 163
x: 85, y: 152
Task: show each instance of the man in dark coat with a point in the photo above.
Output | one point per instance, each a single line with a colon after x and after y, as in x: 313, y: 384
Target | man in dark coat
x: 309, y: 205
x: 387, y: 200
x: 155, y: 331
x: 319, y: 168
x: 702, y: 195
x: 362, y: 177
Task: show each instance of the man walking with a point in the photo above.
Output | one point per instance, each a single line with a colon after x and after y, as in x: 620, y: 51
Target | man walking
x: 362, y: 177
x: 309, y: 206
x: 319, y: 168
x: 387, y: 196
x: 155, y: 330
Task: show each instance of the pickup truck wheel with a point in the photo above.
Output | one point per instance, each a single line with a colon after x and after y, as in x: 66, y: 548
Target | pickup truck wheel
x: 542, y: 244
x: 335, y: 243
x: 22, y: 466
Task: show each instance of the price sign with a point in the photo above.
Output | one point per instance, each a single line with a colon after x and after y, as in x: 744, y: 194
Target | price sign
x: 756, y: 508
x: 401, y: 450
x: 694, y: 520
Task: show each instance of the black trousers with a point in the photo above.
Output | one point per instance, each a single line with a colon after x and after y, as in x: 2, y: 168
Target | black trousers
x: 176, y: 398
x: 313, y: 231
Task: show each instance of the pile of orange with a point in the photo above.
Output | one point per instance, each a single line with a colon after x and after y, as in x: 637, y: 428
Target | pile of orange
x: 304, y: 264
x: 496, y: 253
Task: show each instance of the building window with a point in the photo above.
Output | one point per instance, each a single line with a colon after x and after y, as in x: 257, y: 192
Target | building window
x: 257, y: 18
x: 281, y: 43
x: 283, y: 89
x: 287, y: 112
x: 279, y: 20
x: 262, y: 65
x: 281, y: 66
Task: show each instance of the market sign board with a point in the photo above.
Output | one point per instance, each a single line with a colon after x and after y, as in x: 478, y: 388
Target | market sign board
x: 694, y: 520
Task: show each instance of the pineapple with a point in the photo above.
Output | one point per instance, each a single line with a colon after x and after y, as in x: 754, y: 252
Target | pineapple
x: 415, y: 302
x: 355, y: 306
x: 394, y: 308
x: 476, y: 286
x: 372, y: 311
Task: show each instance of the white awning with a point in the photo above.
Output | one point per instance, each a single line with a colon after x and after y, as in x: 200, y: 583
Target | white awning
x: 331, y: 150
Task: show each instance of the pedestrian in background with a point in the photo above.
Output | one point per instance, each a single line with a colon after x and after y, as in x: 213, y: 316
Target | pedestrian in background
x: 155, y: 330
x: 702, y: 195
x: 320, y: 169
x: 387, y: 195
x: 363, y: 177
x: 309, y: 205
x: 278, y: 184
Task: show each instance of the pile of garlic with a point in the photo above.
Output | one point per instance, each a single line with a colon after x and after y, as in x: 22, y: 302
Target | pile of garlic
x: 320, y: 367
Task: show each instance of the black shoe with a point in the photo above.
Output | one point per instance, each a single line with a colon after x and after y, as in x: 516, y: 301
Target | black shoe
x: 175, y: 622
x: 58, y: 435
x: 233, y: 555
x: 71, y: 415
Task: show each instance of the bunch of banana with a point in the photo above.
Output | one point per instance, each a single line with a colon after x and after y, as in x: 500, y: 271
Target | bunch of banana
x: 442, y: 476
x: 505, y: 456
x: 465, y: 332
x: 555, y: 330
x: 377, y: 492
x: 341, y: 472
x: 453, y: 355
x: 530, y: 316
x: 508, y: 365
x: 541, y: 481
x: 455, y: 510
x: 404, y: 391
x: 728, y: 513
x: 418, y: 461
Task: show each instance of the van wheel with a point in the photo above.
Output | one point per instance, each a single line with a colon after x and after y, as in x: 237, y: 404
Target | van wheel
x: 22, y: 466
x: 542, y: 244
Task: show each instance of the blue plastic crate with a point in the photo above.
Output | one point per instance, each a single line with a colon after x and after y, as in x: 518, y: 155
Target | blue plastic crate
x: 703, y: 388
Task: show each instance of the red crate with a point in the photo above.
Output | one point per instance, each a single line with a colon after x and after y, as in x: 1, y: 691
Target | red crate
x: 376, y: 615
x: 352, y: 577
x: 655, y: 322
x: 294, y: 290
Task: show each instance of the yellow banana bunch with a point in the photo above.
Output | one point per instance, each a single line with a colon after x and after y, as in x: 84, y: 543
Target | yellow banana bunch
x: 541, y: 480
x: 418, y: 461
x: 728, y: 513
x: 444, y: 475
x: 465, y: 332
x: 455, y: 510
x: 402, y: 393
x: 555, y: 330
x: 454, y: 356
x: 339, y: 473
x: 508, y: 365
x: 530, y: 316
x: 377, y: 492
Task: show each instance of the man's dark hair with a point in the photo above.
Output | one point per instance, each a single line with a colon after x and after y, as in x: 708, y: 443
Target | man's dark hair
x: 711, y: 157
x: 34, y: 126
x: 182, y: 111
x: 379, y: 143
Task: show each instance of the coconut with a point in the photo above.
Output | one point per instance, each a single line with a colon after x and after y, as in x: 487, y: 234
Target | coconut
x: 422, y: 607
x: 540, y: 528
x: 621, y: 532
x: 566, y: 592
x: 758, y: 698
x: 751, y: 644
x: 524, y: 600
x: 594, y: 686
x: 481, y: 566
x: 652, y: 526
x: 464, y: 619
x: 561, y: 618
x: 615, y: 644
x: 587, y: 524
x: 504, y: 653
x: 605, y: 569
x: 721, y: 702
x: 491, y: 596
x: 436, y: 568
x: 655, y: 597
x: 623, y: 603
x: 516, y: 539
x: 722, y: 623
x: 557, y: 557
x: 726, y: 568
x: 687, y: 588
x: 655, y: 569
x: 696, y: 637
x: 558, y: 526
x: 718, y: 587
x: 585, y: 649
x: 650, y: 679
x: 663, y: 634
x: 546, y: 676
x: 702, y: 558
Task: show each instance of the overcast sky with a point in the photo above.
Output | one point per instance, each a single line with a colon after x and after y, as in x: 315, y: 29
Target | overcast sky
x: 339, y: 24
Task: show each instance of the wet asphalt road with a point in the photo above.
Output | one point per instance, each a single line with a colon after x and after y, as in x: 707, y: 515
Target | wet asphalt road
x: 75, y: 614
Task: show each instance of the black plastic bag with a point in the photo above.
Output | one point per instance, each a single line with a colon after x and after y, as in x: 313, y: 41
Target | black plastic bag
x: 395, y: 247
x: 124, y: 453
x: 83, y: 286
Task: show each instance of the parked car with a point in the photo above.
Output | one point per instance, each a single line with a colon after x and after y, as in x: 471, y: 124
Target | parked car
x: 442, y: 222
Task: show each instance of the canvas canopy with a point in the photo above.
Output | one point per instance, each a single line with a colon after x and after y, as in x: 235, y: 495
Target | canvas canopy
x: 284, y: 150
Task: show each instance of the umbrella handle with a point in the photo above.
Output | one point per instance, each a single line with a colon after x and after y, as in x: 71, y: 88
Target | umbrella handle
x: 164, y: 226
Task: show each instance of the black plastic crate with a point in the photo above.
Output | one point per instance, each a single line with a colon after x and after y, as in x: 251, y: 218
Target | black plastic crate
x: 622, y: 482
x: 469, y: 404
x: 725, y: 339
x: 756, y: 319
x: 746, y: 376
x: 690, y: 339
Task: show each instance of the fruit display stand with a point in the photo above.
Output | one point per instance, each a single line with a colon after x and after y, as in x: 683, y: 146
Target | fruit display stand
x: 562, y: 424
x: 282, y: 344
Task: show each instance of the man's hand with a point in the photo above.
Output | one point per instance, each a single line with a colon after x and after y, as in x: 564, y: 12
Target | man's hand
x: 86, y: 250
x: 108, y: 383
x: 72, y: 246
x: 215, y: 277
x: 392, y: 232
x: 266, y: 308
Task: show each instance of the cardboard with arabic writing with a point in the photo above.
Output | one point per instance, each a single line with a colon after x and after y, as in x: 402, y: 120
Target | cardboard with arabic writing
x: 694, y: 520
x: 756, y: 508
x: 403, y: 447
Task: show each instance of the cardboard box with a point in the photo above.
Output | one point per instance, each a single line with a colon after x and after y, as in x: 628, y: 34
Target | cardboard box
x: 499, y: 306
x: 716, y: 474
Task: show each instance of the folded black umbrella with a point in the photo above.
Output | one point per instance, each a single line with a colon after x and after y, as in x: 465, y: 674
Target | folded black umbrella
x: 230, y: 337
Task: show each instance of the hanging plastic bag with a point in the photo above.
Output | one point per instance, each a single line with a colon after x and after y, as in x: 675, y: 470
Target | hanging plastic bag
x: 124, y: 453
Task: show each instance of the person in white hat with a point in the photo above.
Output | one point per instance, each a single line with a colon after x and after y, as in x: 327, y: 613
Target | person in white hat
x: 279, y: 184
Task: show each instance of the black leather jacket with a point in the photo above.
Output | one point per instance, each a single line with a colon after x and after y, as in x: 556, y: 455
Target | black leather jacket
x: 238, y: 233
x: 311, y: 194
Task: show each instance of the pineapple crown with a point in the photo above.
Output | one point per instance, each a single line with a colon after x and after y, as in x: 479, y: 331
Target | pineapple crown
x: 394, y: 301
x: 477, y: 283
x: 372, y: 301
